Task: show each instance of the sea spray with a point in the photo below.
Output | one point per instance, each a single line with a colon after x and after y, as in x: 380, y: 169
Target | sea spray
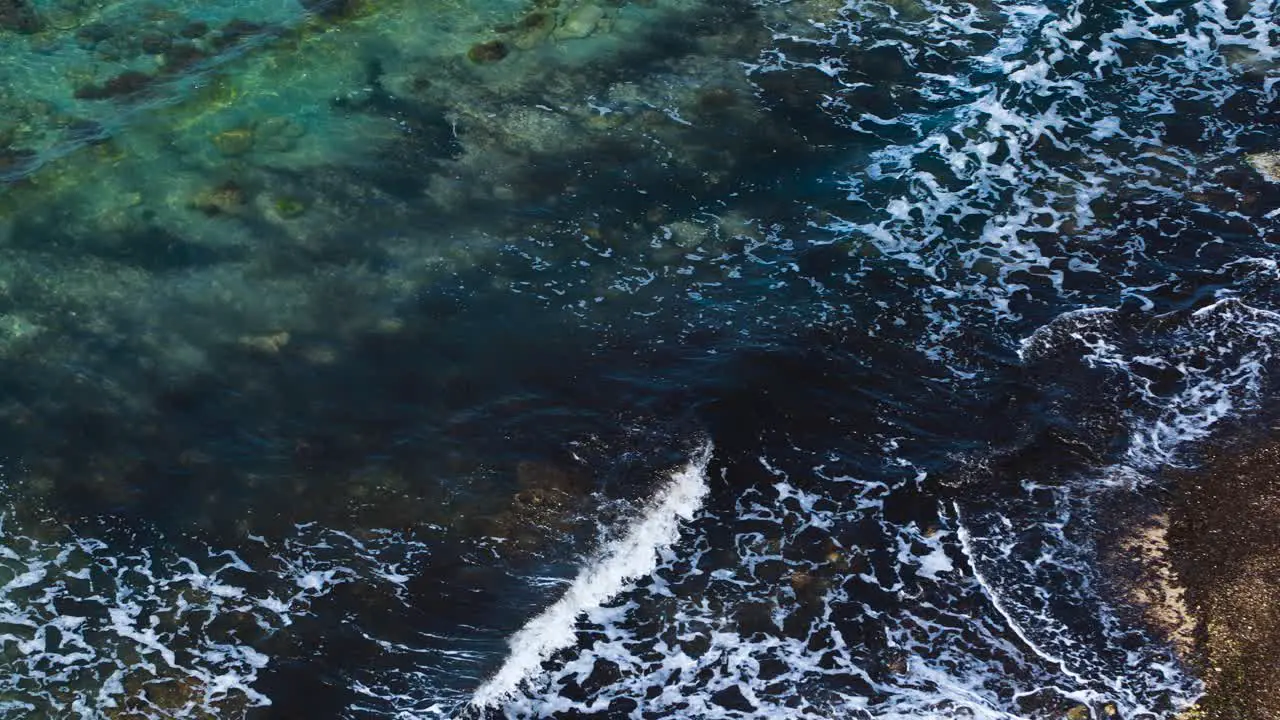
x: 632, y: 555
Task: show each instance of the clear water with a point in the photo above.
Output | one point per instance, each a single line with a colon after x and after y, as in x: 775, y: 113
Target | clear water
x: 622, y: 359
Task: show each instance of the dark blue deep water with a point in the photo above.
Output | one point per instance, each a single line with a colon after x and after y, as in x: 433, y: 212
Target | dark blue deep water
x: 622, y: 358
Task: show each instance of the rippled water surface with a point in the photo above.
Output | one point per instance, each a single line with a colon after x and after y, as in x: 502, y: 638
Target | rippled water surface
x: 616, y: 358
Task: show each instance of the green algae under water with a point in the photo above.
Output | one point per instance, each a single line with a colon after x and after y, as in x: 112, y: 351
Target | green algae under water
x: 136, y: 182
x: 264, y: 178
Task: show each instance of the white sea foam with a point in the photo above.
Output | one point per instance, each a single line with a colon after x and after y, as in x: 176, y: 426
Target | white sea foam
x: 966, y: 544
x: 1009, y: 152
x: 153, y: 618
x: 633, y: 554
x: 1175, y: 377
x: 677, y: 641
x: 1214, y: 362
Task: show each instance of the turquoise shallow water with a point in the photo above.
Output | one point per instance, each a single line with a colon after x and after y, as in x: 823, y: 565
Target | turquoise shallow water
x: 615, y: 359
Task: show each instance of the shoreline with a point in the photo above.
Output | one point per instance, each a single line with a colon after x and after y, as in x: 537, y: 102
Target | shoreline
x: 1226, y: 553
x: 1198, y: 565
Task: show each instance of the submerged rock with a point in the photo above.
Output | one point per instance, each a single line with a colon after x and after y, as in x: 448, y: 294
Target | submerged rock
x: 1267, y: 164
x: 236, y: 31
x: 234, y: 142
x: 715, y: 101
x: 548, y: 501
x: 277, y: 133
x: 130, y: 82
x: 580, y: 22
x: 269, y: 344
x: 15, y: 162
x: 90, y: 35
x: 226, y: 199
x: 194, y: 30
x: 687, y: 233
x: 19, y: 16
x: 332, y: 9
x: 534, y: 474
x: 287, y: 207
x: 181, y: 56
x: 487, y: 52
x: 155, y: 43
x: 174, y: 693
x: 533, y: 29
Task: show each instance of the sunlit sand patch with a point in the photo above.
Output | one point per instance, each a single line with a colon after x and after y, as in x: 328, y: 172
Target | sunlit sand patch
x: 1137, y: 561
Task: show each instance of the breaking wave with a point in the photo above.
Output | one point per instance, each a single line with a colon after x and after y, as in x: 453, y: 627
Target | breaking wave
x: 634, y: 554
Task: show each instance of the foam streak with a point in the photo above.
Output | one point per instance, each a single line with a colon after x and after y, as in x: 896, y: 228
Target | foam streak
x: 631, y: 556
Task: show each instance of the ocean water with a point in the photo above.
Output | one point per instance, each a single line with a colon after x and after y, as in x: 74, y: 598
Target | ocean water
x: 616, y: 358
